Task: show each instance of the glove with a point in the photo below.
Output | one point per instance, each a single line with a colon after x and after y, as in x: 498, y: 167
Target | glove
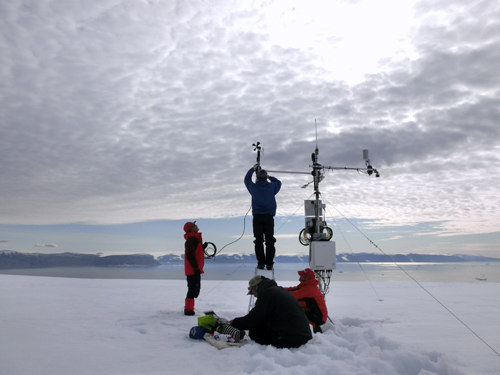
x: 197, y: 272
x: 255, y: 167
x: 205, y: 245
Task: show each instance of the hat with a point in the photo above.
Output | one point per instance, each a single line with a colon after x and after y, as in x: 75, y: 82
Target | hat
x: 262, y: 175
x: 309, y: 273
x: 254, y: 281
x: 188, y: 226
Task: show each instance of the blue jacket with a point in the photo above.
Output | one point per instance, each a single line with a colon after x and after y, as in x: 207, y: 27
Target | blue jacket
x: 263, y: 194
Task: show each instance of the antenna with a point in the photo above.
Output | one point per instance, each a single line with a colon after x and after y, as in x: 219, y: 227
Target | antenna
x: 316, y: 127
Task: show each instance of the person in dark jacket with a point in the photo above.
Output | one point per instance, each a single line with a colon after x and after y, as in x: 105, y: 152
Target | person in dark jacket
x: 311, y: 299
x: 194, y: 261
x: 263, y: 209
x: 277, y: 318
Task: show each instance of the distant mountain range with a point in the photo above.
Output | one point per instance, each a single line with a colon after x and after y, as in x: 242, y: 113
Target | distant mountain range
x: 345, y: 257
x: 16, y: 259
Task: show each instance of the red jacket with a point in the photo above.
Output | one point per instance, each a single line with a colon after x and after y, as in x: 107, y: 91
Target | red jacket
x: 194, y: 259
x: 310, y: 297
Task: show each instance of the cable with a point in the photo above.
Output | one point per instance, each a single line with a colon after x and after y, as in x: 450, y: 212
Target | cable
x: 209, y: 256
x: 242, y: 264
x: 217, y: 252
x: 207, y: 246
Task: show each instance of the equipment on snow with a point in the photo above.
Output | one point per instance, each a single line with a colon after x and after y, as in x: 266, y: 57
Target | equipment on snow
x: 219, y: 344
x: 215, y: 329
x: 197, y: 333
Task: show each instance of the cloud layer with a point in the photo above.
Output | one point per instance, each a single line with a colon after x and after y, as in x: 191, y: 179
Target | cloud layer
x: 117, y: 112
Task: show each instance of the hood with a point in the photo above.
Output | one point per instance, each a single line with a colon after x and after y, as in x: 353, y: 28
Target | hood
x: 192, y: 234
x: 265, y: 284
x: 262, y: 184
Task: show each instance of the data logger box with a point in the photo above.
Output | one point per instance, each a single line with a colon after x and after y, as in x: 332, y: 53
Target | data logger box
x: 310, y: 208
x: 322, y: 255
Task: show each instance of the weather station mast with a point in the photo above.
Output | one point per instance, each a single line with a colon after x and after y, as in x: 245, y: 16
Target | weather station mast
x: 316, y: 234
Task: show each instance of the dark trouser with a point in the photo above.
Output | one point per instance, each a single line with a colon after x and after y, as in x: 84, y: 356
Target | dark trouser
x: 261, y: 335
x: 263, y: 230
x: 315, y: 318
x: 194, y: 285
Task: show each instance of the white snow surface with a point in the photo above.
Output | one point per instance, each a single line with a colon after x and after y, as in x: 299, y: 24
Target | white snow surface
x: 61, y: 326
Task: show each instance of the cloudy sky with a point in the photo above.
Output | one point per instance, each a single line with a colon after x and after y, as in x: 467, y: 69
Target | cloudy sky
x: 121, y: 120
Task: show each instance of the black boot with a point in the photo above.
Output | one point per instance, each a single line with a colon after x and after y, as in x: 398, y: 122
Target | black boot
x: 317, y: 329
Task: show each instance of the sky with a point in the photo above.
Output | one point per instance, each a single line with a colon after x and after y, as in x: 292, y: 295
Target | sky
x: 102, y: 326
x: 121, y: 120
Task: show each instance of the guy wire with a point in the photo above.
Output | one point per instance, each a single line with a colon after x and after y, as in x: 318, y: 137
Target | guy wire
x: 348, y: 245
x: 289, y: 217
x: 420, y: 285
x: 227, y: 277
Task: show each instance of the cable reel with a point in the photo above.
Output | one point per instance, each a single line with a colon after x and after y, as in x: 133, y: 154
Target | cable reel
x: 306, y: 234
x: 210, y: 250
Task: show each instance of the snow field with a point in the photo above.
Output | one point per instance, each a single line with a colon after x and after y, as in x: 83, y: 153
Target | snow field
x: 59, y: 326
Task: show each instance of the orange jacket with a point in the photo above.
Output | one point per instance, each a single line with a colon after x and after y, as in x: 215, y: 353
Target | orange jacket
x: 310, y: 297
x: 194, y: 259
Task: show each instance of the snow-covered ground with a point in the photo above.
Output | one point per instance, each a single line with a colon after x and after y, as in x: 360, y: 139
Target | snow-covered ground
x: 62, y: 326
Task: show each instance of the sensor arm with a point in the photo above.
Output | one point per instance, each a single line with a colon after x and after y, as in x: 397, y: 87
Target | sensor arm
x: 329, y: 169
x: 308, y: 173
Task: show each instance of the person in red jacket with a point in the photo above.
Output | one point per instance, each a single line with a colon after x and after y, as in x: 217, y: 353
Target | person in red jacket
x: 311, y: 299
x: 193, y: 264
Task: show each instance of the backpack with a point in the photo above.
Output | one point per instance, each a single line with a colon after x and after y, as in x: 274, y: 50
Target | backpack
x: 209, y: 322
x: 206, y: 324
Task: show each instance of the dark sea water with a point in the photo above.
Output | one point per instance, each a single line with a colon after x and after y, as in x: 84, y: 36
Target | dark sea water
x: 422, y: 272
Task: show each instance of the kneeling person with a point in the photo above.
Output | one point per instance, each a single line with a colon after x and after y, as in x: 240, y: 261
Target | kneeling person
x: 310, y: 298
x: 277, y: 318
